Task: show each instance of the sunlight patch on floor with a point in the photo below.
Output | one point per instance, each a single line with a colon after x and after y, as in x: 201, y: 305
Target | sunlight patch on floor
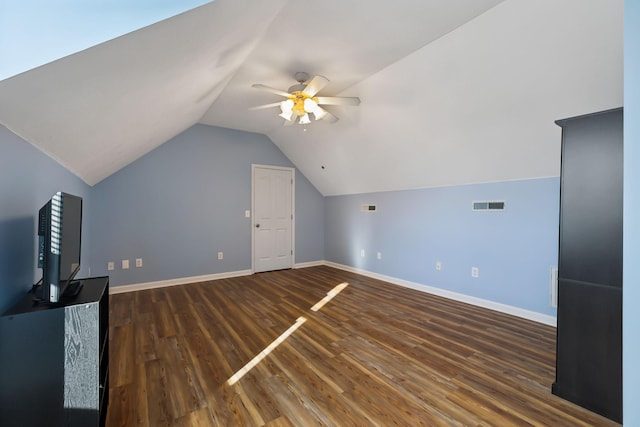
x: 330, y: 295
x: 299, y: 321
x: 264, y: 353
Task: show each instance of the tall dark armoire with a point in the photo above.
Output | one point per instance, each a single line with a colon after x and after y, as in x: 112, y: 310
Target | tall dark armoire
x: 589, y: 344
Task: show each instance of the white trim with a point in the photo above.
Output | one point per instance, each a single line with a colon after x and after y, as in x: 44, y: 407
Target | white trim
x: 178, y: 281
x: 293, y: 211
x: 503, y: 308
x: 309, y: 264
x: 253, y: 218
x: 496, y: 306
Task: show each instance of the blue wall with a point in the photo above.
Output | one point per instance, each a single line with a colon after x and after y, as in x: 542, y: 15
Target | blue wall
x: 175, y: 208
x: 184, y: 202
x: 513, y: 249
x: 28, y: 178
x: 631, y: 279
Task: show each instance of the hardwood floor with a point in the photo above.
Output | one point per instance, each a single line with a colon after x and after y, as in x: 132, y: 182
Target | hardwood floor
x: 375, y: 354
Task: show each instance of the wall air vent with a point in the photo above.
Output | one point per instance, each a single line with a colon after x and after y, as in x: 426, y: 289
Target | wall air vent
x: 368, y: 208
x: 493, y: 205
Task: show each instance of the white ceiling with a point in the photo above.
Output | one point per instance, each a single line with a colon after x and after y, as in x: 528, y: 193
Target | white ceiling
x: 453, y: 92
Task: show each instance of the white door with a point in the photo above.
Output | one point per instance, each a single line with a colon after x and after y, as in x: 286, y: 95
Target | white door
x: 272, y: 218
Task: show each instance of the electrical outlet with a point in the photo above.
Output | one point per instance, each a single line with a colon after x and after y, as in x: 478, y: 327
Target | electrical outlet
x: 474, y: 272
x: 138, y: 262
x: 438, y: 265
x: 125, y: 264
x: 111, y: 266
x: 247, y: 214
x: 362, y: 253
x: 220, y: 255
x: 379, y: 255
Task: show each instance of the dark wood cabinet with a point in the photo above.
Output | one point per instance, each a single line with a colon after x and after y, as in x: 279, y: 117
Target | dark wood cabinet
x: 54, y: 360
x: 589, y: 333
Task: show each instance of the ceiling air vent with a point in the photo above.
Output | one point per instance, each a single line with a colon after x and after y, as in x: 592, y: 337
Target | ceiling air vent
x: 493, y: 205
x: 368, y: 208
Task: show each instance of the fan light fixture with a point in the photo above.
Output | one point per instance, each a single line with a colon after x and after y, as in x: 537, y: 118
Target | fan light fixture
x: 298, y: 106
x: 304, y: 120
x: 301, y: 100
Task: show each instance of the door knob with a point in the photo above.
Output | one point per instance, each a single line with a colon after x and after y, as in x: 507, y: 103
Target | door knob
x: 257, y: 225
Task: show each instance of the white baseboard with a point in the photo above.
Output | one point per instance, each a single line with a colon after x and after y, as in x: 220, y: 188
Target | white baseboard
x: 309, y: 264
x: 175, y: 282
x: 196, y: 279
x: 503, y: 308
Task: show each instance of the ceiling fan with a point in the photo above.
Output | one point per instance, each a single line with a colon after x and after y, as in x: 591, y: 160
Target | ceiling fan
x: 302, y: 100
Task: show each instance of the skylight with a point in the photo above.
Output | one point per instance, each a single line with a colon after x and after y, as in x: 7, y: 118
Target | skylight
x: 36, y: 32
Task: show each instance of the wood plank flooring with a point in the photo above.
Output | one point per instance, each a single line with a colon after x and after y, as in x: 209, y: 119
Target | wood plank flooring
x: 376, y: 354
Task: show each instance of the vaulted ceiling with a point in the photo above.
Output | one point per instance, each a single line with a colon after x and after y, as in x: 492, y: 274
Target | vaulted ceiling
x: 453, y: 92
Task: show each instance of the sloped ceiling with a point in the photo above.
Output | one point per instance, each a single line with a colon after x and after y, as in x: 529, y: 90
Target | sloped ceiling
x: 453, y: 92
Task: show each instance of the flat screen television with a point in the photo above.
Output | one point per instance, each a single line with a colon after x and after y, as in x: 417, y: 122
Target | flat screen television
x: 59, y: 243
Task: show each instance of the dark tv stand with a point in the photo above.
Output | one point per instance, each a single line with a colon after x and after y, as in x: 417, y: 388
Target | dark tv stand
x: 54, y: 360
x: 73, y: 289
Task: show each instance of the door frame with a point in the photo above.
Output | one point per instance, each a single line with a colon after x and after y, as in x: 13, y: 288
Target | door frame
x: 255, y: 166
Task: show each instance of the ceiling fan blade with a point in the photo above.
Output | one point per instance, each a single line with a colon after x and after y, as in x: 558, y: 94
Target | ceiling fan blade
x: 322, y: 114
x: 315, y: 85
x: 260, y: 107
x: 272, y: 90
x: 337, y: 100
